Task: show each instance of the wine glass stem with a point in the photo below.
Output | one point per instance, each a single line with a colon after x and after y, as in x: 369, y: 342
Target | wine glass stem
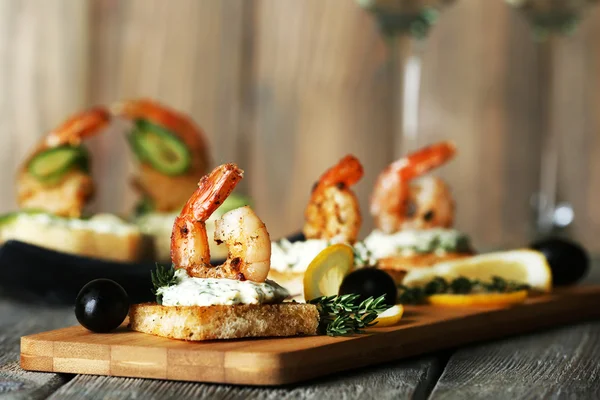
x: 406, y: 64
x: 549, y: 140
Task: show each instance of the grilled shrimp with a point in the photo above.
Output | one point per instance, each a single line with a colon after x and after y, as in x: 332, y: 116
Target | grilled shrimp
x: 333, y: 211
x: 245, y: 235
x: 167, y: 192
x: 397, y: 203
x: 61, y: 185
x: 80, y: 126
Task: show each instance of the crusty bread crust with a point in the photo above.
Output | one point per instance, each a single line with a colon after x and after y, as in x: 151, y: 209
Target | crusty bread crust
x: 196, y: 323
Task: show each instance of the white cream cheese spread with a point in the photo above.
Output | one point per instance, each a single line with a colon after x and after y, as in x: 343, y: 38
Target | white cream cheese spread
x: 101, y: 223
x: 190, y: 291
x: 295, y: 257
x: 409, y: 242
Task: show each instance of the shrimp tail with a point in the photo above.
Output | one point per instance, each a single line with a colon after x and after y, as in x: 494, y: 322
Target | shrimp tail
x: 189, y: 241
x: 80, y: 126
x: 424, y: 160
x: 346, y: 172
x: 212, y: 191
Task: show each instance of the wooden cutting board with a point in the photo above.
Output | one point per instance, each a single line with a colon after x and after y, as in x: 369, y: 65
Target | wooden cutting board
x: 286, y: 360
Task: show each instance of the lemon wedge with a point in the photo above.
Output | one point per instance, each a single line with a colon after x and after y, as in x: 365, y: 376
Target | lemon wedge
x: 327, y: 270
x: 478, y: 299
x: 390, y: 317
x: 524, y: 266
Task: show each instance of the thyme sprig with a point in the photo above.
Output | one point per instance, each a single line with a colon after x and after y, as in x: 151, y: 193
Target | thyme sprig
x: 460, y: 285
x: 343, y: 315
x: 161, y: 277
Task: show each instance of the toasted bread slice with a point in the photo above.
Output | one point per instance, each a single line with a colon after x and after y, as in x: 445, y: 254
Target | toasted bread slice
x: 399, y: 266
x: 196, y: 323
x: 102, y: 236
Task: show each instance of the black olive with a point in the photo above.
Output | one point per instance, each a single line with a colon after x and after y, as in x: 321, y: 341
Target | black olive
x: 101, y: 305
x: 370, y: 282
x: 568, y: 261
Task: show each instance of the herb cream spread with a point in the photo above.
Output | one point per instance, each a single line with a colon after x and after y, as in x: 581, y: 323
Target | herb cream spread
x: 190, y: 291
x: 404, y: 243
x: 19, y: 225
x: 295, y: 257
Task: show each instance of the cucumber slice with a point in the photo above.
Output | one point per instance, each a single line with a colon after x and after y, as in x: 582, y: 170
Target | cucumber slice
x: 161, y: 149
x: 8, y: 218
x: 50, y: 165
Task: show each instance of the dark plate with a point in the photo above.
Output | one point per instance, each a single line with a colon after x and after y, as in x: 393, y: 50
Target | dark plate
x: 33, y: 273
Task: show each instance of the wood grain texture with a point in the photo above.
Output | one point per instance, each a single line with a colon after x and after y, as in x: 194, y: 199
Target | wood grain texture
x: 320, y: 90
x: 187, y: 54
x: 576, y: 109
x: 406, y: 379
x: 286, y: 88
x: 557, y: 364
x: 17, y: 319
x: 478, y: 90
x: 277, y: 361
x: 43, y: 76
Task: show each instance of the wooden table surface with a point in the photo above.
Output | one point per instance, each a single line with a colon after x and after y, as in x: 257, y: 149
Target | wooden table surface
x: 558, y: 363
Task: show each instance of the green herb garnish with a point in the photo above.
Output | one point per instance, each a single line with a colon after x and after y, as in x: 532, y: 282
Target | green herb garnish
x: 460, y: 285
x: 163, y: 276
x: 341, y: 315
x: 447, y: 241
x: 411, y: 295
x: 362, y: 255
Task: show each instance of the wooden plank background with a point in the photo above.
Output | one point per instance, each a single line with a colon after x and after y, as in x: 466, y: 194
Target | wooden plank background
x: 287, y: 87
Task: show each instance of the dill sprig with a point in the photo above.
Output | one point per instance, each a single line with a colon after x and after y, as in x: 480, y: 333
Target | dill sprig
x: 163, y: 276
x: 460, y: 285
x: 343, y: 315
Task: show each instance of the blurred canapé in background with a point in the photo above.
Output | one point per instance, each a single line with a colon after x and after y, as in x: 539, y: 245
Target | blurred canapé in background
x: 285, y: 88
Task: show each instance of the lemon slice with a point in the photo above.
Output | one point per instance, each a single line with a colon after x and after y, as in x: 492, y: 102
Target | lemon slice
x: 478, y: 299
x: 390, y: 317
x: 327, y: 270
x: 524, y: 266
